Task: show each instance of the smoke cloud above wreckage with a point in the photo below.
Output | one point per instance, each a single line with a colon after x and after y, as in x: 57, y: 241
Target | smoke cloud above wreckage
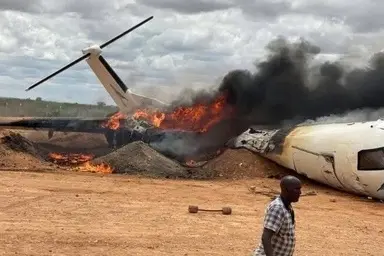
x: 285, y: 88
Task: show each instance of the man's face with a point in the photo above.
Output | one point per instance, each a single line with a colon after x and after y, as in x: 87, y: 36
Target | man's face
x: 295, y: 192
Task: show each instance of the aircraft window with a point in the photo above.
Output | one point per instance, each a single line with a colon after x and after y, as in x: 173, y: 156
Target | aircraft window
x: 372, y: 159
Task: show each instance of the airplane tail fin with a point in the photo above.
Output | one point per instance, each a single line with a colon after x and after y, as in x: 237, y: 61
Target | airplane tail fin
x: 116, y: 88
x: 125, y: 100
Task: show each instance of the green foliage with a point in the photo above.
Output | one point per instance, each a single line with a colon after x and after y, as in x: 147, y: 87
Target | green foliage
x: 42, y: 108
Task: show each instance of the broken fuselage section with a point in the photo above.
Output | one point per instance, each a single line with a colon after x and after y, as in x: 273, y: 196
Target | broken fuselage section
x: 346, y: 156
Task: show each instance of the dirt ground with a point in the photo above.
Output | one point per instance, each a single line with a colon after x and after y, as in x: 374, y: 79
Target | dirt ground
x: 90, y: 214
x: 52, y: 211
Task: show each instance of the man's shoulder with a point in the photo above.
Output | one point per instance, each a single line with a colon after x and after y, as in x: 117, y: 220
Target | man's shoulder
x: 276, y: 205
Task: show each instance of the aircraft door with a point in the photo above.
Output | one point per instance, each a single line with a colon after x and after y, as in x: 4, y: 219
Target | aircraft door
x: 327, y: 165
x: 307, y: 164
x: 316, y: 166
x: 346, y: 162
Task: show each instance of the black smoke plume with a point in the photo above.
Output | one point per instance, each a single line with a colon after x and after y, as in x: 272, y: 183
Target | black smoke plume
x: 283, y: 87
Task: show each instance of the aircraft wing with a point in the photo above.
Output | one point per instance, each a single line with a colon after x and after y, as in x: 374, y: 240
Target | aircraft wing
x: 64, y: 124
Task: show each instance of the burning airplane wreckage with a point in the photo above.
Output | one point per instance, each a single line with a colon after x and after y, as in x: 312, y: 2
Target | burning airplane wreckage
x: 265, y: 112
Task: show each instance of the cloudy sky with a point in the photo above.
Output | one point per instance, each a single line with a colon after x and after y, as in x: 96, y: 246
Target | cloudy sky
x: 188, y: 43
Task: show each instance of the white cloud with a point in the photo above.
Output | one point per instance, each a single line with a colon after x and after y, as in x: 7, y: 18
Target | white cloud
x: 187, y: 44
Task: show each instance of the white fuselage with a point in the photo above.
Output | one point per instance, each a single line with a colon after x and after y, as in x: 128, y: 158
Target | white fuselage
x: 346, y: 156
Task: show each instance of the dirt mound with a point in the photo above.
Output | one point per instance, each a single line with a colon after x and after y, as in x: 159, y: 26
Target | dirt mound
x: 75, y: 143
x: 67, y: 140
x: 16, y: 142
x: 139, y: 158
x: 80, y: 140
x: 241, y: 163
x: 17, y: 152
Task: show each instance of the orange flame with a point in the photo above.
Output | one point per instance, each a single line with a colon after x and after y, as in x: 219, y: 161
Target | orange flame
x: 70, y: 158
x: 113, y: 122
x: 155, y: 118
x: 98, y: 168
x: 82, y: 160
x: 199, y: 117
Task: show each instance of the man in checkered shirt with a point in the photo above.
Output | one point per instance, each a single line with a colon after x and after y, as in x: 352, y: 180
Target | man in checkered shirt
x: 278, y: 237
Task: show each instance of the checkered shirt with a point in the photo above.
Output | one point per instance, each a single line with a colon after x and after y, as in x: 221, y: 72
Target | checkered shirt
x: 278, y: 219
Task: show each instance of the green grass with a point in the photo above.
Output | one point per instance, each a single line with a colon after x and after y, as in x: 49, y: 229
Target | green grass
x: 38, y: 107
